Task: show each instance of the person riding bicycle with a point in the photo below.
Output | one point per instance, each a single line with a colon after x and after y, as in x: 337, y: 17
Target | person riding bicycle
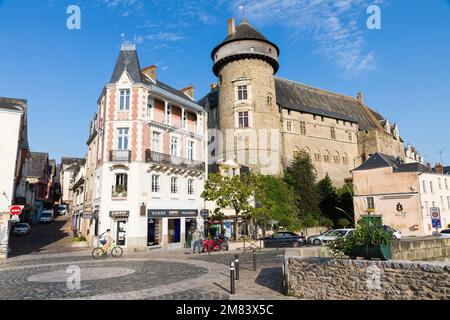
x: 105, y: 240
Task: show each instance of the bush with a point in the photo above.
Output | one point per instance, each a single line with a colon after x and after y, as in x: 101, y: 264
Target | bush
x: 366, y: 234
x: 79, y: 239
x: 344, y: 223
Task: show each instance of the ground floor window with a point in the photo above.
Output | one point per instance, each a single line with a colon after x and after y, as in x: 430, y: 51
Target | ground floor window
x: 174, y: 231
x: 121, y: 233
x: 154, y: 235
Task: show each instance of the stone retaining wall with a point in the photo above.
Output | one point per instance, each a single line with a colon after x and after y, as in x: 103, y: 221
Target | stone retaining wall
x: 334, y: 279
x: 421, y: 249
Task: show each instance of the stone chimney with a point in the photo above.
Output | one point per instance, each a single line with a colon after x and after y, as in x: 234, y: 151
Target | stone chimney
x: 189, y: 91
x: 150, y: 72
x: 439, y: 169
x: 360, y: 97
x: 231, y: 27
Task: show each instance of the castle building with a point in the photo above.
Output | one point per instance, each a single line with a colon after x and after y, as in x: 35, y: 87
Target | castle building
x: 262, y: 121
x: 150, y: 163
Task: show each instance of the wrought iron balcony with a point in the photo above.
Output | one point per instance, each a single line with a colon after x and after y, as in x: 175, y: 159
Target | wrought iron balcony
x: 119, y: 191
x: 120, y: 156
x: 171, y: 161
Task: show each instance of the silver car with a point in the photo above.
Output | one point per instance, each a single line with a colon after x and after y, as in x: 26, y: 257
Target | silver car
x: 21, y: 229
x: 330, y: 235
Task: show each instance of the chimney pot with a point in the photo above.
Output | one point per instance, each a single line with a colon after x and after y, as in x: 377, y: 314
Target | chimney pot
x: 189, y: 91
x: 231, y: 27
x: 439, y: 169
x: 360, y: 97
x: 150, y: 72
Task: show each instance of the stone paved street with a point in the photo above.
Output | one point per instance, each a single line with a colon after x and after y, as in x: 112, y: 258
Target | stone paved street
x: 159, y: 275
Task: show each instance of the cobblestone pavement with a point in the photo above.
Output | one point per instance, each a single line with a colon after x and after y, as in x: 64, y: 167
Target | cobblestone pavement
x: 159, y: 275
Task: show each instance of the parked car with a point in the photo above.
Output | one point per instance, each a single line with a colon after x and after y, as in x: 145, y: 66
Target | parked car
x: 47, y: 216
x: 284, y: 239
x: 21, y: 229
x: 444, y: 234
x: 62, y: 210
x: 330, y: 235
x: 397, y: 234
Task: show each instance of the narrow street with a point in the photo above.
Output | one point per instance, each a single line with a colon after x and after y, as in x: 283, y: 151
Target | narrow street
x: 44, y: 239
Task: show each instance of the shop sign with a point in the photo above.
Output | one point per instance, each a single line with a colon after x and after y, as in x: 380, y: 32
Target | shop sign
x: 168, y: 213
x: 88, y: 215
x: 119, y: 214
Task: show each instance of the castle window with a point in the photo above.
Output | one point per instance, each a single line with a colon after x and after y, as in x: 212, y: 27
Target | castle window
x: 289, y: 126
x: 345, y: 160
x: 326, y: 158
x: 350, y: 137
x: 333, y: 133
x: 243, y: 120
x: 317, y: 156
x: 269, y: 101
x: 303, y: 128
x: 242, y: 92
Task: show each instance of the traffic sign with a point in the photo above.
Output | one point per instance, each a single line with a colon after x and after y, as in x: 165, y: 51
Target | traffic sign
x: 15, y: 210
x: 15, y: 218
x: 436, y: 218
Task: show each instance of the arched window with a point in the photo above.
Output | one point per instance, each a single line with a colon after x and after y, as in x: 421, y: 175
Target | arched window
x: 336, y: 158
x: 317, y: 155
x: 345, y: 158
x: 326, y: 156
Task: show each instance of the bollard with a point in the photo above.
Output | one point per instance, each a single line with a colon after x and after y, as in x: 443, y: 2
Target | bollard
x: 232, y: 280
x: 254, y: 260
x: 236, y: 264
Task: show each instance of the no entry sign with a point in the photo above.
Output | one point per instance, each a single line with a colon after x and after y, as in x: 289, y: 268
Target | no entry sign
x: 15, y: 210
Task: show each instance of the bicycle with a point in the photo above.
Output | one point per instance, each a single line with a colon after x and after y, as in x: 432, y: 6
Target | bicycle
x: 113, y: 251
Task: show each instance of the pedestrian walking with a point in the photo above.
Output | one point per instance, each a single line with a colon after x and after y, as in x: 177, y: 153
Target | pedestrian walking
x: 196, y: 241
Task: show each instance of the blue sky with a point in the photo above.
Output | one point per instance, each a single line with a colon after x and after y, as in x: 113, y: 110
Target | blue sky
x: 402, y: 69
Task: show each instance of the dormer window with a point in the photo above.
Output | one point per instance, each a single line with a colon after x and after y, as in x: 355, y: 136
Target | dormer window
x: 125, y: 100
x: 243, y: 92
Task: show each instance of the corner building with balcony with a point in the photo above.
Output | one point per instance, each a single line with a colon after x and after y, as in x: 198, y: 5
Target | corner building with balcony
x: 150, y: 169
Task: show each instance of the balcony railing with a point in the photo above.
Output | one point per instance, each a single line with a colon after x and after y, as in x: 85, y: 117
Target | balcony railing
x: 120, y: 156
x: 171, y: 161
x: 119, y: 192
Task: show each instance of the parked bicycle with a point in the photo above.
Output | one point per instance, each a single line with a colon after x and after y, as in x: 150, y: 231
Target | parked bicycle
x: 113, y: 251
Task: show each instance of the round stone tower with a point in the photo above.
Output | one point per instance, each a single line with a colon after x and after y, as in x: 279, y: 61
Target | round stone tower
x: 248, y: 117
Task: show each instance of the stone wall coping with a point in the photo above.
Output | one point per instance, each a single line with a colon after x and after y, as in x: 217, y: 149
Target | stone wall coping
x: 437, y: 266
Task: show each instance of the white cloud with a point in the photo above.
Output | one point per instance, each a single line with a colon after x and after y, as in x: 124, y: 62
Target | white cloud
x: 336, y: 27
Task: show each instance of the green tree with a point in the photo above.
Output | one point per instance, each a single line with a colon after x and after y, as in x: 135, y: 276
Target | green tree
x: 345, y: 205
x: 329, y: 199
x: 301, y: 175
x: 275, y: 200
x: 231, y: 192
x: 344, y: 223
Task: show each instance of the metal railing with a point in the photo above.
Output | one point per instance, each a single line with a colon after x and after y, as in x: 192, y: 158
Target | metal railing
x: 120, y: 156
x: 119, y: 191
x: 172, y: 161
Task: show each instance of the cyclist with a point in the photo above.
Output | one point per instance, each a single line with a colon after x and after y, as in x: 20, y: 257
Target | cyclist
x: 105, y: 240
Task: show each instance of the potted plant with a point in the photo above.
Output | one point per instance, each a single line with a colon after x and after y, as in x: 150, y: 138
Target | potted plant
x: 369, y: 240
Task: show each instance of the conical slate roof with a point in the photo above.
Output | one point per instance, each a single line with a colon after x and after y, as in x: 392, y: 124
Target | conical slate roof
x: 128, y: 59
x: 244, y: 31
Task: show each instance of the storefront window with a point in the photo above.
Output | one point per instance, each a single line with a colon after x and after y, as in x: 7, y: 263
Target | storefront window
x: 174, y: 231
x: 154, y: 237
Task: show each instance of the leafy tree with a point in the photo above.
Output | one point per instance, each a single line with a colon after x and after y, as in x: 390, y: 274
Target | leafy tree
x: 275, y: 200
x: 301, y: 175
x: 329, y: 199
x: 234, y: 192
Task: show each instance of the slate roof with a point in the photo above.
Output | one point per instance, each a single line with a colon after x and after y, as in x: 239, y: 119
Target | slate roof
x: 68, y: 161
x: 300, y: 97
x: 12, y: 104
x: 244, y: 31
x: 380, y: 160
x: 128, y: 59
x: 38, y: 164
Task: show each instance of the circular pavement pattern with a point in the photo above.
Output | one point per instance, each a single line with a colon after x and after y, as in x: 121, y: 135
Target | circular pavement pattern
x: 16, y: 284
x: 85, y: 274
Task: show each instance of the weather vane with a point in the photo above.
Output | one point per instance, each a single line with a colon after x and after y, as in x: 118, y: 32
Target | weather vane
x: 242, y: 7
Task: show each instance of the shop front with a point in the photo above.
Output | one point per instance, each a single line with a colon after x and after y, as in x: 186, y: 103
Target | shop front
x: 120, y: 219
x: 170, y: 228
